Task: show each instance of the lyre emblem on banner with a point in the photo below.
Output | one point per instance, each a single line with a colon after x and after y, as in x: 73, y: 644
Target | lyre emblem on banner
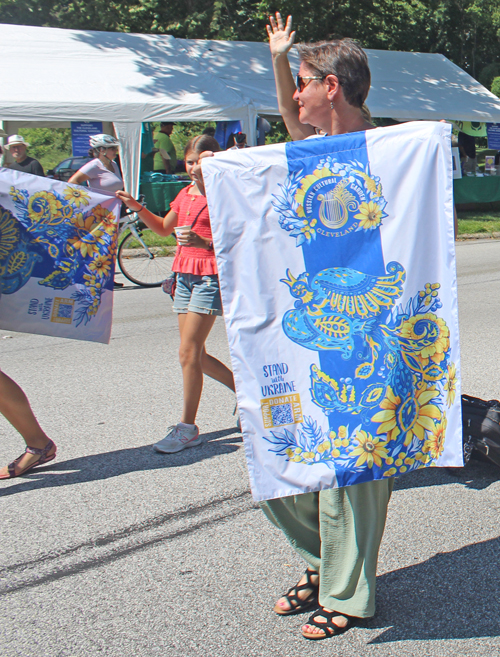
x: 333, y: 210
x: 334, y: 200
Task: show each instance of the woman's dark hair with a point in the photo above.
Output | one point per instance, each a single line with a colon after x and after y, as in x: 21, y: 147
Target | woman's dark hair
x: 343, y: 58
x: 201, y: 143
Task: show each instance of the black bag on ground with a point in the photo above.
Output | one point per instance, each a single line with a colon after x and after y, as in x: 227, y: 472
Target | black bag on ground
x: 481, y: 428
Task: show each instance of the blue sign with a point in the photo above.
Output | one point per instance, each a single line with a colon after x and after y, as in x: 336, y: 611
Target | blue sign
x: 81, y: 131
x: 493, y: 131
x: 224, y: 130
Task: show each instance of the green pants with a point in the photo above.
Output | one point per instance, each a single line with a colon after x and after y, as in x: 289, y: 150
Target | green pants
x: 338, y: 532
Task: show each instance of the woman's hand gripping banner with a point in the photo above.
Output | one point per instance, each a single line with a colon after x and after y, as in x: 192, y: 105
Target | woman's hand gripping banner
x: 337, y: 266
x: 57, y: 257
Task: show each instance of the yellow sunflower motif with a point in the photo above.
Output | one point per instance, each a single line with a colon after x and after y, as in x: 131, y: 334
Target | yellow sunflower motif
x: 9, y: 232
x: 411, y: 417
x: 101, y: 265
x: 105, y: 218
x: 76, y: 196
x: 43, y: 206
x: 370, y: 215
x: 450, y: 385
x: 369, y: 450
x: 434, y: 445
x: 89, y: 235
x: 425, y: 329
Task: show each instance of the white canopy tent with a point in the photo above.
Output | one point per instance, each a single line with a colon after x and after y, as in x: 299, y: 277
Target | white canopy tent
x: 50, y: 77
x: 405, y: 85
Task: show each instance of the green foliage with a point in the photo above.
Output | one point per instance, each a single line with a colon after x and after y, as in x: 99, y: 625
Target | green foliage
x: 185, y: 131
x: 278, y: 133
x: 488, y: 74
x: 47, y: 145
x: 466, y: 31
x: 495, y: 86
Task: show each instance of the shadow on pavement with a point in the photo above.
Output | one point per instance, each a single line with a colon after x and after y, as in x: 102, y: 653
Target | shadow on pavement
x: 453, y: 595
x: 477, y: 475
x: 123, y: 461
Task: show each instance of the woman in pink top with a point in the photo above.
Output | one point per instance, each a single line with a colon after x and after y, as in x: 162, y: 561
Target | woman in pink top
x: 197, y: 296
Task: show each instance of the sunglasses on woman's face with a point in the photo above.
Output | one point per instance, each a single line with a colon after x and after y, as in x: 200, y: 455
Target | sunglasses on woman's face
x: 301, y: 83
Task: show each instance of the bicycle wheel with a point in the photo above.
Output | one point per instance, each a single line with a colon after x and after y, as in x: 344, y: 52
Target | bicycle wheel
x: 147, y: 267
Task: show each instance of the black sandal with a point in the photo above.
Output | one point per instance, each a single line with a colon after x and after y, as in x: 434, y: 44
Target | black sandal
x: 329, y: 628
x: 298, y: 605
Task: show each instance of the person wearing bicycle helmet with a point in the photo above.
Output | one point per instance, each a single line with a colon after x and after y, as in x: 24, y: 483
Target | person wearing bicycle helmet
x: 102, y: 173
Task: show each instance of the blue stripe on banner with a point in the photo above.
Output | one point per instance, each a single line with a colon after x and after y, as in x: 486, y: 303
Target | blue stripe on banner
x: 357, y: 250
x: 342, y: 205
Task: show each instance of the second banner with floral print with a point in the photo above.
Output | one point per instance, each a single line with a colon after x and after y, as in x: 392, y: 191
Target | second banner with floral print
x: 57, y: 257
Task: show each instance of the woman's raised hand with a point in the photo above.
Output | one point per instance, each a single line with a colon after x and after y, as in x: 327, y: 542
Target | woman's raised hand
x: 281, y: 36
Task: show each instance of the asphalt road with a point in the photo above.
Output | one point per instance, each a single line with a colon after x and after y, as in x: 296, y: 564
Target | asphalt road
x: 116, y: 550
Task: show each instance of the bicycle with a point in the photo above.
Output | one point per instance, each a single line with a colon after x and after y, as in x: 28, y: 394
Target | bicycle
x: 144, y: 257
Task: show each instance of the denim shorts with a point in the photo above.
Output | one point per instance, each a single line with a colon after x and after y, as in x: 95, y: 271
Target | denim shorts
x: 197, y: 294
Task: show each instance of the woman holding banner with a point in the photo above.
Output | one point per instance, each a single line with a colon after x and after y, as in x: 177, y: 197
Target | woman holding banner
x: 337, y: 531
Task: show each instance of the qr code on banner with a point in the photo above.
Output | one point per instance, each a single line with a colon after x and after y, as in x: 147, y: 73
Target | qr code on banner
x: 62, y: 312
x: 282, y: 414
x: 277, y: 411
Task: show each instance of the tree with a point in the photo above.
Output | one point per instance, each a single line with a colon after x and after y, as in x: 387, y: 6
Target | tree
x: 465, y: 31
x: 495, y: 87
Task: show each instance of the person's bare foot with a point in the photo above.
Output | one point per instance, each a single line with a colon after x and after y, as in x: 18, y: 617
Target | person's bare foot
x: 304, y: 591
x: 334, y: 624
x: 27, y: 460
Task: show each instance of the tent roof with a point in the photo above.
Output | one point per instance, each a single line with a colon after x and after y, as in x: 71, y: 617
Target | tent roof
x: 53, y: 74
x: 50, y: 74
x: 405, y: 85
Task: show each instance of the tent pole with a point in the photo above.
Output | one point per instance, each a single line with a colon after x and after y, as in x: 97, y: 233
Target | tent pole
x: 129, y: 135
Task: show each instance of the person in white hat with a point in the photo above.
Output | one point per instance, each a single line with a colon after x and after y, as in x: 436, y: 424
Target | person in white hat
x: 17, y: 148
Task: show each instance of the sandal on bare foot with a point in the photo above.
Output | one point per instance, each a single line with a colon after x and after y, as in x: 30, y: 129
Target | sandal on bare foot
x: 44, y: 457
x: 326, y: 625
x: 297, y: 604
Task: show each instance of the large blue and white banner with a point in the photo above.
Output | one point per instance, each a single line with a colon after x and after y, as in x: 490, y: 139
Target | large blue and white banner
x: 57, y: 257
x: 337, y: 266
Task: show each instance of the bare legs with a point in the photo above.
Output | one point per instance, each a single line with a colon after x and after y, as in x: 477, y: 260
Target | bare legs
x: 14, y: 405
x: 194, y: 329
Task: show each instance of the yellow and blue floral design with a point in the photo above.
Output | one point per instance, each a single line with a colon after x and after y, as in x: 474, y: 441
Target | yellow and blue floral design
x: 386, y: 377
x: 63, y: 241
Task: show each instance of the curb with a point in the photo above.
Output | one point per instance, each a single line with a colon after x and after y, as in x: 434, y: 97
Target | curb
x: 478, y: 236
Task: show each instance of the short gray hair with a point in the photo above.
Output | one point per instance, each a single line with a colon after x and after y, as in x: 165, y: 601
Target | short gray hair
x: 343, y: 58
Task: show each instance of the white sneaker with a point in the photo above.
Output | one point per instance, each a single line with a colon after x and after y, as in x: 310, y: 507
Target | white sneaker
x: 178, y: 438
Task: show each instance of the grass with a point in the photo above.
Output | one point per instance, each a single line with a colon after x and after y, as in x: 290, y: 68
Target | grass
x: 151, y: 239
x: 160, y: 246
x: 477, y: 222
x: 469, y: 223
